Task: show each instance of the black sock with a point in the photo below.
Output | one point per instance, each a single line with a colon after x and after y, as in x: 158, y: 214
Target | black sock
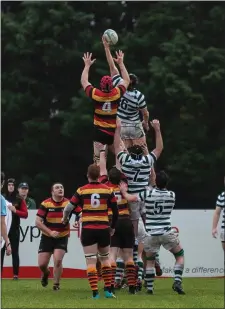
x: 95, y: 293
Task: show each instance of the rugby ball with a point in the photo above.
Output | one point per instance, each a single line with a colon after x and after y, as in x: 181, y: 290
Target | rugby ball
x: 111, y: 36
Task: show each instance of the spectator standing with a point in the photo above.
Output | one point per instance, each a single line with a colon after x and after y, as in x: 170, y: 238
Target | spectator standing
x: 10, y: 192
x: 4, y: 234
x: 23, y: 190
x: 19, y: 210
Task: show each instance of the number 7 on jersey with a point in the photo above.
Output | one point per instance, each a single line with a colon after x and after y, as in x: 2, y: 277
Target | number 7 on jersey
x: 136, y: 174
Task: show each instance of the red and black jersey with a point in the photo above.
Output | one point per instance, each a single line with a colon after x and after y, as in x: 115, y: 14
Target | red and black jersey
x: 121, y: 202
x: 52, y: 214
x: 95, y: 199
x: 106, y: 106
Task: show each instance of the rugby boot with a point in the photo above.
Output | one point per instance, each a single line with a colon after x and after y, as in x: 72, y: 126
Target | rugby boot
x: 44, y: 279
x: 177, y: 287
x: 56, y: 287
x: 109, y: 294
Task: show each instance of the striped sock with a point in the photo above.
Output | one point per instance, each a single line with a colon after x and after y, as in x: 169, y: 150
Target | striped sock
x: 93, y: 279
x: 113, y: 267
x: 131, y: 274
x: 178, y: 272
x: 99, y: 269
x: 107, y: 277
x: 149, y: 278
x: 135, y: 253
x: 119, y: 270
x: 140, y: 265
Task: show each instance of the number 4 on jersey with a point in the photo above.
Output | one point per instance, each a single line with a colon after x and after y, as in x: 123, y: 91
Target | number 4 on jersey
x: 106, y: 107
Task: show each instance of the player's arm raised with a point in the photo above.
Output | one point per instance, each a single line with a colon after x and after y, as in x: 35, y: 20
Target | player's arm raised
x: 152, y: 177
x: 158, y: 137
x: 119, y: 60
x: 113, y: 69
x: 85, y: 74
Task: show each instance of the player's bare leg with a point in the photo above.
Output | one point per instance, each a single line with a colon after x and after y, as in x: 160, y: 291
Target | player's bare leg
x: 178, y: 253
x: 135, y: 225
x: 158, y: 268
x: 43, y: 262
x: 103, y: 254
x: 58, y: 256
x: 90, y: 253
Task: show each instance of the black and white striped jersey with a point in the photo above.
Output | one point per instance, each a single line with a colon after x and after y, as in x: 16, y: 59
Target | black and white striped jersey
x: 159, y: 205
x: 130, y: 103
x: 136, y: 172
x: 221, y: 203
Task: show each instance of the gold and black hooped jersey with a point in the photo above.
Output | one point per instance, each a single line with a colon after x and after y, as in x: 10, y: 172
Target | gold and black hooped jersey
x: 52, y: 213
x: 121, y: 202
x: 95, y: 199
x: 106, y: 106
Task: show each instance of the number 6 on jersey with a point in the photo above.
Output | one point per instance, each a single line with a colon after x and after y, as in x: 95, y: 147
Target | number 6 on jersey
x: 95, y: 202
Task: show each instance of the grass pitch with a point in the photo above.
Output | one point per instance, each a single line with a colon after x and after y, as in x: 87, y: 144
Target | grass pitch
x: 75, y: 293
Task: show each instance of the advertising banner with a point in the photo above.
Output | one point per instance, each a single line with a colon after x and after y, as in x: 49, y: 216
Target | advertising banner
x: 203, y: 254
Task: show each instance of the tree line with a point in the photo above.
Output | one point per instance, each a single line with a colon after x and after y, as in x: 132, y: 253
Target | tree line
x: 176, y: 49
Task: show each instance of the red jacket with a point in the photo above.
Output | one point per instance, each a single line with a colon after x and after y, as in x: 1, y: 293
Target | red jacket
x: 22, y: 211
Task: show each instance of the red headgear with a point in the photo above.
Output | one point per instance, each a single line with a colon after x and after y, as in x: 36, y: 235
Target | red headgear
x: 106, y: 84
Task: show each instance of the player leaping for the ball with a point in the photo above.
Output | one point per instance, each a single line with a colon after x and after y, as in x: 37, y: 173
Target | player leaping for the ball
x: 132, y: 102
x: 106, y: 101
